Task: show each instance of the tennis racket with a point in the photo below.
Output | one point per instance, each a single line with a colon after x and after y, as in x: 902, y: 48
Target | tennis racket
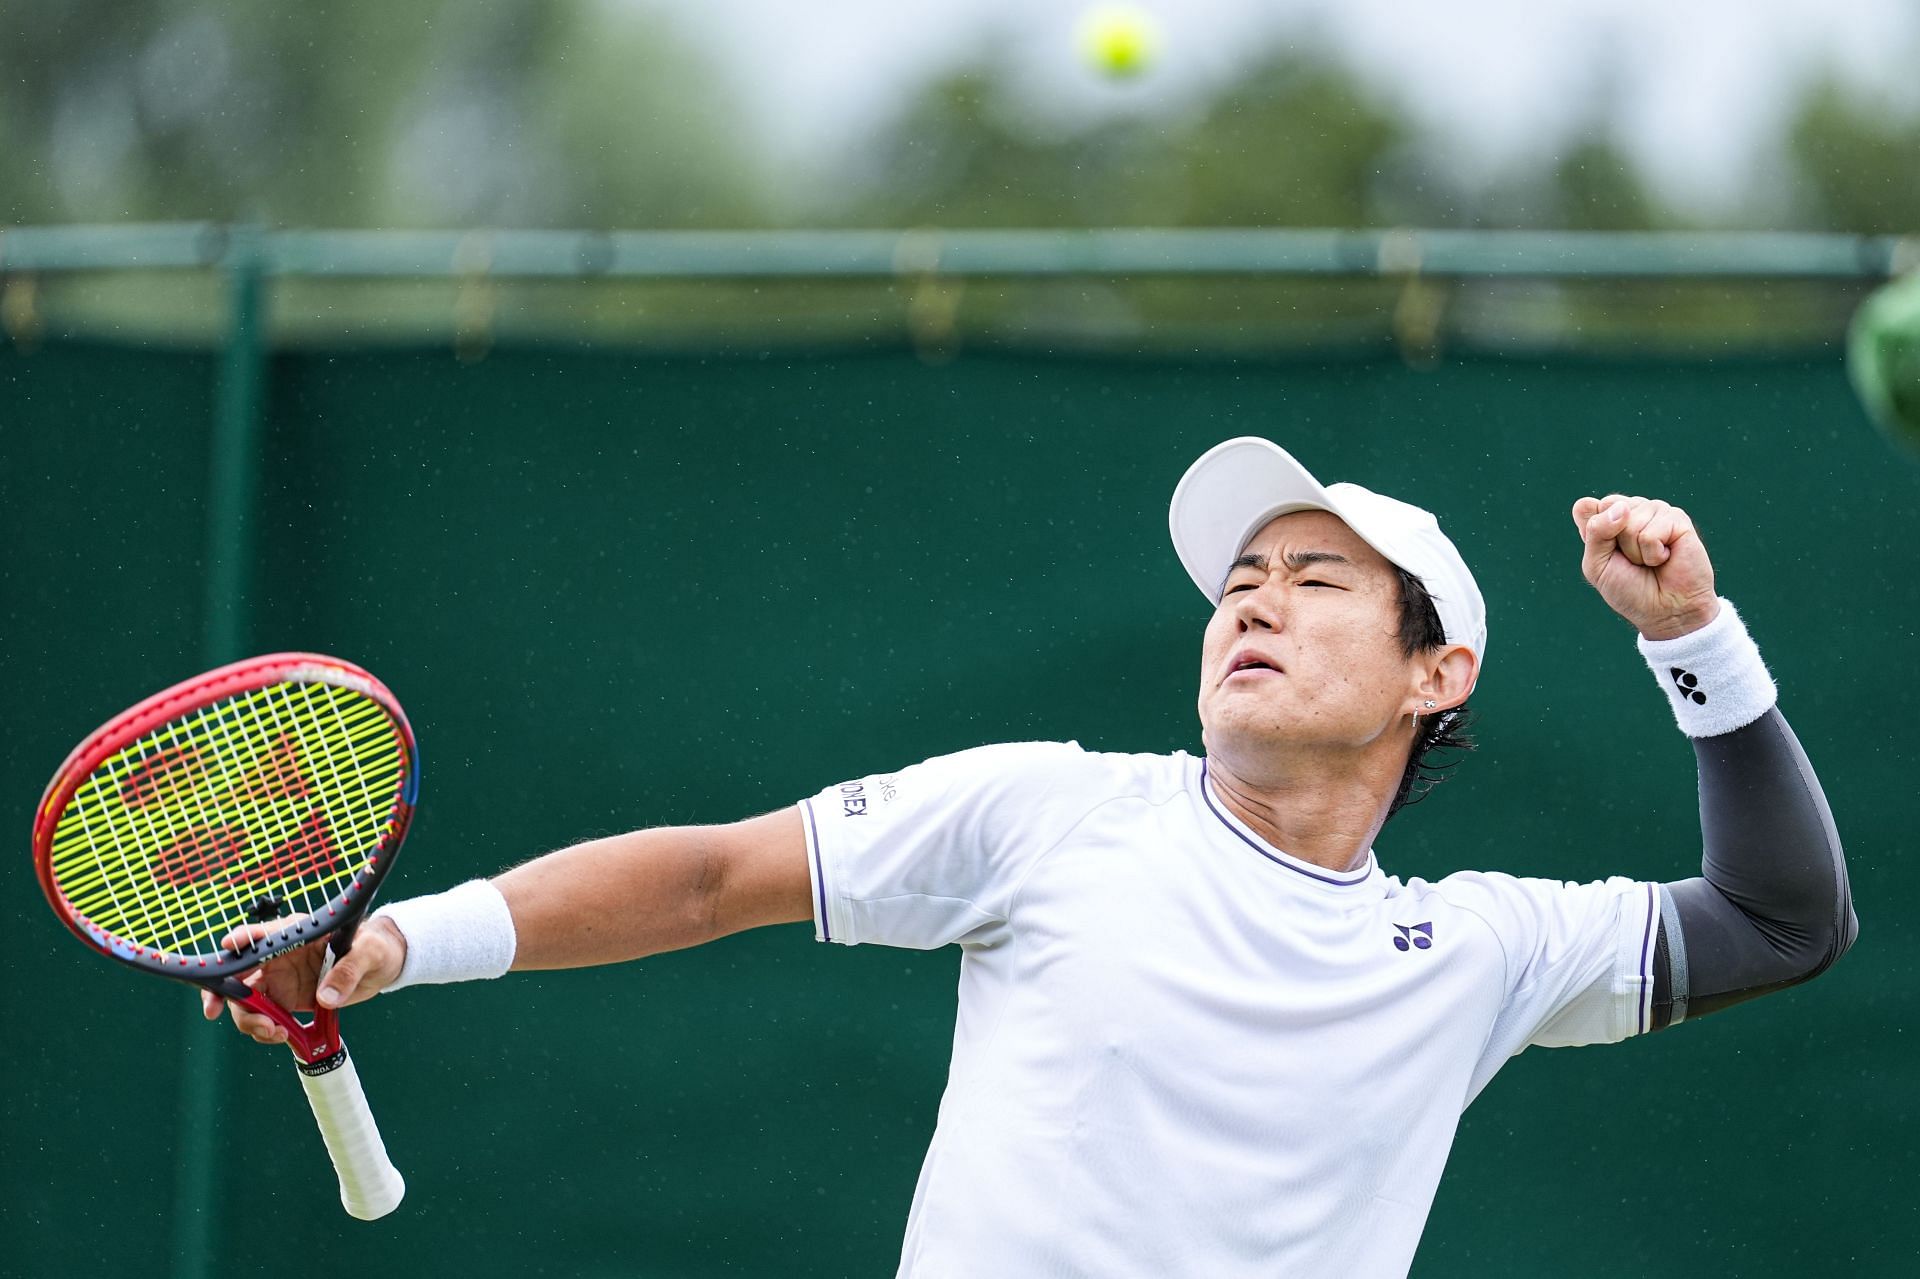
x: 272, y: 792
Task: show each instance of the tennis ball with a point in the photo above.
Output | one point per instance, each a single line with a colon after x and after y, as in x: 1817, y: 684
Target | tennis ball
x: 1118, y: 40
x: 1883, y: 358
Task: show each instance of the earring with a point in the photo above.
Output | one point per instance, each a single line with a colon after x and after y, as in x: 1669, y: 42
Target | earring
x: 1429, y: 705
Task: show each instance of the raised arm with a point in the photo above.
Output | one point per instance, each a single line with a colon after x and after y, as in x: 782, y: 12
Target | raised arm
x: 600, y: 902
x: 1772, y: 906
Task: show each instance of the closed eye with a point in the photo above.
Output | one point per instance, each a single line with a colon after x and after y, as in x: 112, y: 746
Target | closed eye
x: 1248, y: 586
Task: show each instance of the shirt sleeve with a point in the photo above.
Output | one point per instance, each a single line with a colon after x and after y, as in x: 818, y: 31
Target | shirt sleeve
x: 1579, y: 957
x: 935, y: 853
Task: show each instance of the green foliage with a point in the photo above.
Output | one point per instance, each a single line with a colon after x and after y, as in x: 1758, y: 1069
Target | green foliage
x: 574, y: 113
x: 499, y: 112
x: 958, y: 155
x: 1857, y: 161
x: 1296, y: 141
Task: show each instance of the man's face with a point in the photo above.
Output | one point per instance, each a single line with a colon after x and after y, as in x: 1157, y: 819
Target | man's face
x: 1304, y: 649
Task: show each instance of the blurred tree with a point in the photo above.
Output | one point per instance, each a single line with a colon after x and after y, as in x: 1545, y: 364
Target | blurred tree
x: 502, y: 112
x: 1296, y: 140
x: 1588, y: 184
x: 1595, y: 186
x: 957, y: 155
x: 1856, y: 161
x: 64, y: 96
x: 638, y: 128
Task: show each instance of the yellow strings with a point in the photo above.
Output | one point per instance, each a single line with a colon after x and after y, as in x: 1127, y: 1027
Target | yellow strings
x: 280, y: 793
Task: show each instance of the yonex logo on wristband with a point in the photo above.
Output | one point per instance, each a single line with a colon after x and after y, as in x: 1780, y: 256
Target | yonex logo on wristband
x: 1413, y: 936
x: 1688, y: 684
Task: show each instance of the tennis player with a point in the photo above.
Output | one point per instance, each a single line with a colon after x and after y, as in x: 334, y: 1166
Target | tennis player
x: 1200, y: 1031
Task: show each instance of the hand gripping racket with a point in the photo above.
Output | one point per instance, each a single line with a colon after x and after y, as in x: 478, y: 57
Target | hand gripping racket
x: 276, y: 788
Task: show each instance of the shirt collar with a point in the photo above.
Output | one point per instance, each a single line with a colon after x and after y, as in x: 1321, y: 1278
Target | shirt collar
x: 1337, y: 879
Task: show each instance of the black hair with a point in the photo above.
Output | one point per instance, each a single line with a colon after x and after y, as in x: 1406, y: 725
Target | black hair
x: 1440, y: 739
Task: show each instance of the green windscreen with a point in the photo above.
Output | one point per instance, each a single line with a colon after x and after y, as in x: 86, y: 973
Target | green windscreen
x: 616, y: 589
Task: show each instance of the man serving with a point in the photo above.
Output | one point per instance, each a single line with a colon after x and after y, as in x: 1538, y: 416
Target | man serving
x: 1200, y: 1031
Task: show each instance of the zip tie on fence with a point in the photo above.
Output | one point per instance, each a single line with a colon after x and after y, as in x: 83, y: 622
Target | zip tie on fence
x: 473, y: 303
x: 1905, y: 256
x: 1421, y: 306
x: 933, y: 308
x: 20, y: 309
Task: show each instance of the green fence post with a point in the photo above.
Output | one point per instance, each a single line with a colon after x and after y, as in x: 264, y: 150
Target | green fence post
x: 233, y: 476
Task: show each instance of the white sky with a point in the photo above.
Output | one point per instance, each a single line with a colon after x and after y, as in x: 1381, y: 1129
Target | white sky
x: 1698, y: 83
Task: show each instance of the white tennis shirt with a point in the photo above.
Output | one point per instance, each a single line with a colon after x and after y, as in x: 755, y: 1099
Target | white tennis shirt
x: 1180, y: 1051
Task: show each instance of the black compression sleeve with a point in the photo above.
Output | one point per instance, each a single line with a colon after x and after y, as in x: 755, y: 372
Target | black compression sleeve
x: 1772, y: 907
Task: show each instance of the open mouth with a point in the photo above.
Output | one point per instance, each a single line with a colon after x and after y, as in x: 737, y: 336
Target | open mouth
x: 1251, y: 663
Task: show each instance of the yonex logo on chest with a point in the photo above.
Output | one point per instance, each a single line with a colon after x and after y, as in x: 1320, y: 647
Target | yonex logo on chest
x: 1413, y: 936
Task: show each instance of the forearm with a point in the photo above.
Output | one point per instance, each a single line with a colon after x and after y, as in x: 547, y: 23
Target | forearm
x: 615, y: 899
x: 1771, y: 907
x: 610, y: 900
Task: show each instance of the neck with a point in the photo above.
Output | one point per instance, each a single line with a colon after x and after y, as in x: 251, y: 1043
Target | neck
x: 1326, y: 817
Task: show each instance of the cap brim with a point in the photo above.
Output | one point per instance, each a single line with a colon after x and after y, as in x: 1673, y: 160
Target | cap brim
x: 1227, y: 495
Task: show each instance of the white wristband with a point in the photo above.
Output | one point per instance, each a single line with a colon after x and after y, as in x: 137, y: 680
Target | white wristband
x: 1714, y: 677
x: 463, y: 934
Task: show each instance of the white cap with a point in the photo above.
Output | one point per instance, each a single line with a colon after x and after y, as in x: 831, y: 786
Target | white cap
x: 1231, y: 492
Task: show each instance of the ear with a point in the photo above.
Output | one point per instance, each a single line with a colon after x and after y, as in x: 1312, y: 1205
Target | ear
x: 1446, y: 677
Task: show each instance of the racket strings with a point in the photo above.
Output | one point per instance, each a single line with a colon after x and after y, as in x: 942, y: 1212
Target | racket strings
x: 206, y: 864
x: 274, y: 788
x: 262, y: 805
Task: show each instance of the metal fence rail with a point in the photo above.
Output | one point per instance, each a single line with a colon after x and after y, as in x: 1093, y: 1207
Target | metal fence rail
x: 1006, y: 254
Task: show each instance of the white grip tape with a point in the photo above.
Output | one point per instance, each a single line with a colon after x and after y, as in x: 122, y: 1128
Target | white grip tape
x: 370, y: 1186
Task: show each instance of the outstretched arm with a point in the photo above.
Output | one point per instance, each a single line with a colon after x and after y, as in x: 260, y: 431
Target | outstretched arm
x: 1772, y: 907
x: 657, y: 890
x: 599, y: 902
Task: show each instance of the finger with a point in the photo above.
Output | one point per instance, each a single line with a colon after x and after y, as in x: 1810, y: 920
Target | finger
x: 244, y: 936
x: 341, y: 985
x: 1636, y: 542
x: 1583, y: 510
x: 338, y: 985
x: 1607, y: 518
x: 211, y: 1005
x: 1599, y: 533
x: 258, y: 1026
x: 1663, y: 533
x: 374, y: 961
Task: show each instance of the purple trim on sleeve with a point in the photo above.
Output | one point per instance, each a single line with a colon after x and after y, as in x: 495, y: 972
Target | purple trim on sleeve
x: 1207, y: 795
x: 819, y: 875
x: 1646, y: 956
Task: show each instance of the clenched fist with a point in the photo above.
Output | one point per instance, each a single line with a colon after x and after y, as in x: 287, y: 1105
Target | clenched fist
x: 1648, y: 564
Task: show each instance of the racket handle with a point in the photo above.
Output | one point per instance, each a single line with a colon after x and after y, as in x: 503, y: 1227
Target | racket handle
x: 370, y: 1186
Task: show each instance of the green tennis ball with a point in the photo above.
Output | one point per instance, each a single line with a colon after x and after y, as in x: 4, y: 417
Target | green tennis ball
x: 1883, y: 358
x: 1119, y: 41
